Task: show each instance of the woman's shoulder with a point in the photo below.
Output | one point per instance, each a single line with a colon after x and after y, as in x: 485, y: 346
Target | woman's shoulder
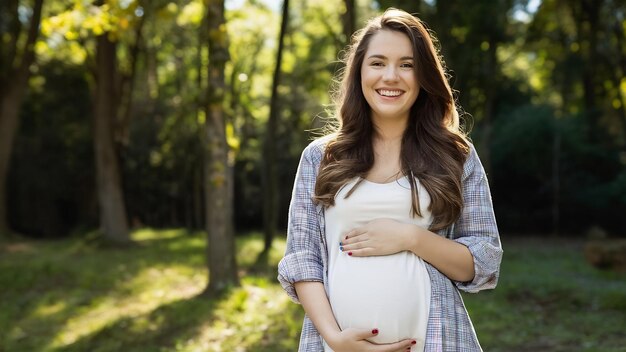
x: 315, y: 150
x: 472, y: 160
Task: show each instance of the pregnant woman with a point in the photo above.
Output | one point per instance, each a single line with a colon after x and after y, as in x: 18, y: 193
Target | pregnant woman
x: 391, y: 214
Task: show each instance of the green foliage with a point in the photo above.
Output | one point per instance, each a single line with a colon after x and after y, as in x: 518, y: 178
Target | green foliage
x: 524, y: 150
x: 53, y: 153
x: 523, y: 79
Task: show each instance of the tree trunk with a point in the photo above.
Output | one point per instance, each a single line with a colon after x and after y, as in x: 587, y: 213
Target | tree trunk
x: 348, y: 20
x: 127, y: 87
x: 587, y: 18
x: 113, y: 222
x: 218, y: 178
x: 270, y: 179
x: 11, y: 95
x: 491, y: 72
x: 556, y: 180
x: 620, y: 71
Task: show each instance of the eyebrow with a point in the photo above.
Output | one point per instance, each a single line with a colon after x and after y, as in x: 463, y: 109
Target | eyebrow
x: 377, y: 56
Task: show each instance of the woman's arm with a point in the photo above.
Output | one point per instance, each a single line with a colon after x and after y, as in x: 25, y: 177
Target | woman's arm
x: 476, y: 228
x: 386, y: 236
x: 303, y: 256
x: 315, y: 303
x: 451, y: 258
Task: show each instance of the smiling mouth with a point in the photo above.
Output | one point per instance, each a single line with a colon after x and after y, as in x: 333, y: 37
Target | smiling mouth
x: 389, y: 93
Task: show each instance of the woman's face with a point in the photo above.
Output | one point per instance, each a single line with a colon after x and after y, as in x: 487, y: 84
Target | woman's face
x: 387, y: 76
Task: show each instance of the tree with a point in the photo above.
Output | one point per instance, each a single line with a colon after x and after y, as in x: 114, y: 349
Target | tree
x: 113, y: 220
x: 348, y: 19
x: 218, y: 178
x: 271, y: 196
x: 14, y: 74
x: 112, y: 88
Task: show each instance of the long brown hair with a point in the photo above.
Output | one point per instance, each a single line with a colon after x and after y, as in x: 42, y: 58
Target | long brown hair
x: 433, y: 147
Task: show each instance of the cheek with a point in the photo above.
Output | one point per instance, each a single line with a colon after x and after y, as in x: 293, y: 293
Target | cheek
x: 366, y: 85
x: 365, y: 78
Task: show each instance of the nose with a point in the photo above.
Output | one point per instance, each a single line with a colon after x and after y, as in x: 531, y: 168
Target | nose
x: 390, y: 74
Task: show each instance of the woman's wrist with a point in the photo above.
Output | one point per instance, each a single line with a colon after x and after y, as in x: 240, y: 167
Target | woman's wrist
x: 333, y: 338
x: 413, y: 233
x: 451, y: 258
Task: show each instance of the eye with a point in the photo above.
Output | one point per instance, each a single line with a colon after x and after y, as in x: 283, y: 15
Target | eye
x: 377, y: 63
x: 406, y: 65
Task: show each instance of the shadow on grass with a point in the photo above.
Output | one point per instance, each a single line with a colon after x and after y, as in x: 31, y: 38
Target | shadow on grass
x: 165, y: 327
x: 262, y: 266
x: 55, y: 289
x: 46, y: 284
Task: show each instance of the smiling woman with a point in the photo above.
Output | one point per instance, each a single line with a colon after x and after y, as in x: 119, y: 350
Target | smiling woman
x: 390, y: 215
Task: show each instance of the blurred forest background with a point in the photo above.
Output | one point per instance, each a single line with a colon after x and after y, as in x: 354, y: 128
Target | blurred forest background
x: 119, y: 117
x: 543, y: 82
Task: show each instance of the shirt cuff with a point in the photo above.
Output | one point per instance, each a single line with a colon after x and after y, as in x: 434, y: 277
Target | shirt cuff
x: 296, y: 267
x: 487, y: 258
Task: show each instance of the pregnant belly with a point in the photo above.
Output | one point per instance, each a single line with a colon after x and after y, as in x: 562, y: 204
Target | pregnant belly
x: 390, y: 293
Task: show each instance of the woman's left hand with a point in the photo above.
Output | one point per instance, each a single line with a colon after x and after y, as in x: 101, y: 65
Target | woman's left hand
x: 379, y: 237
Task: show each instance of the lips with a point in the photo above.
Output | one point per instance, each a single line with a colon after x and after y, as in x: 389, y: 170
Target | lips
x: 390, y: 93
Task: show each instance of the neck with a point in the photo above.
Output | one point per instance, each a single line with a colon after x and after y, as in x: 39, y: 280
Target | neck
x: 389, y: 131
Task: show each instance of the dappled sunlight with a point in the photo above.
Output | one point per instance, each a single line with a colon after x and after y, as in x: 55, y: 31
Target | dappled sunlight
x: 145, y: 234
x: 148, y: 298
x: 250, y: 246
x: 196, y: 243
x: 45, y: 309
x: 73, y: 295
x: 136, y: 297
x: 246, y: 318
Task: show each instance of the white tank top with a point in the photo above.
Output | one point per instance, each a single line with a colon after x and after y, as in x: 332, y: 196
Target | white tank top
x: 390, y: 293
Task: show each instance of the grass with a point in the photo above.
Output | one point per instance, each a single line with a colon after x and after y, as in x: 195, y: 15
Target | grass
x: 549, y: 299
x: 71, y: 295
x: 74, y: 295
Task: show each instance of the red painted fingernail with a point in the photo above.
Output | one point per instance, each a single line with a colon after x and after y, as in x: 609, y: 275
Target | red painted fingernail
x: 346, y: 237
x: 349, y: 253
x: 375, y: 331
x: 413, y: 342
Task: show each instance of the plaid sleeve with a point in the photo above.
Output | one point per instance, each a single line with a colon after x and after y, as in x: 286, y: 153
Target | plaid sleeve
x: 302, y: 260
x: 476, y: 228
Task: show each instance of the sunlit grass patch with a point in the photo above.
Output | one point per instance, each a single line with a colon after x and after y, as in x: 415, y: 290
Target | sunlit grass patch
x: 254, y: 317
x: 153, y: 234
x: 133, y: 299
x: 72, y: 295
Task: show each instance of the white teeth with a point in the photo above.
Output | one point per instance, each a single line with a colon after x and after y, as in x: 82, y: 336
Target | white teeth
x: 389, y: 93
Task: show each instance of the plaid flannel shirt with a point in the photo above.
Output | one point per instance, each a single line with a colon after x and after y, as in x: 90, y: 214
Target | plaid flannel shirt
x: 449, y: 326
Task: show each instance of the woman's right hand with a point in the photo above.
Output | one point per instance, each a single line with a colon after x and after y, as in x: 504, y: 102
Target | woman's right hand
x: 355, y: 340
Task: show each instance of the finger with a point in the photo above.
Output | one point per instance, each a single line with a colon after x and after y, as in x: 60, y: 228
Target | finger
x: 403, y: 345
x: 355, y: 239
x: 361, y: 252
x: 353, y: 233
x: 363, y: 334
x: 353, y: 246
